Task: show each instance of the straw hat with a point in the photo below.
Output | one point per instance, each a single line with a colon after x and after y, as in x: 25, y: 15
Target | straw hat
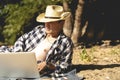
x: 53, y: 13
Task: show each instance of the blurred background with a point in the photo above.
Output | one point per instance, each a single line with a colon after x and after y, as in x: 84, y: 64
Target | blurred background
x: 91, y: 21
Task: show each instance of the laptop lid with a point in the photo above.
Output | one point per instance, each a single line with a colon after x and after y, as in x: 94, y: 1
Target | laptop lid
x: 18, y: 65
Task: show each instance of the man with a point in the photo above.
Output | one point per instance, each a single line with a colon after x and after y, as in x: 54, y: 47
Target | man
x: 53, y: 49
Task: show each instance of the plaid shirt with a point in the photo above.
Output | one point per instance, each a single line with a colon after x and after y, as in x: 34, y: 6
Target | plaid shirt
x: 60, y: 53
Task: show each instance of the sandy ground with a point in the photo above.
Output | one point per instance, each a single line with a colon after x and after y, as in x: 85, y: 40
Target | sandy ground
x: 98, y: 62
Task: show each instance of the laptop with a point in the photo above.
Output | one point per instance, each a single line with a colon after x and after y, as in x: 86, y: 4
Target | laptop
x: 18, y: 65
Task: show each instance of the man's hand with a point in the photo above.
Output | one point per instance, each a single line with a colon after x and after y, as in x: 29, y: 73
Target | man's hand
x: 51, y: 66
x: 41, y: 65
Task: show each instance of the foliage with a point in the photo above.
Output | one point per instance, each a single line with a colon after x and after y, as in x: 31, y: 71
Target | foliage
x: 85, y: 56
x: 17, y: 15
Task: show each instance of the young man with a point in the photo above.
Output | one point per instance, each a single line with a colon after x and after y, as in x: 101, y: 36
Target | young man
x: 52, y: 48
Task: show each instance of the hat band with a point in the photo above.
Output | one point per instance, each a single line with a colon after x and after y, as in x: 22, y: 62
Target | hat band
x: 52, y: 17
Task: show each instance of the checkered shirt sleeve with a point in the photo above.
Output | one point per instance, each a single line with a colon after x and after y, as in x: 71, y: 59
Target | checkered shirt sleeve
x: 28, y: 41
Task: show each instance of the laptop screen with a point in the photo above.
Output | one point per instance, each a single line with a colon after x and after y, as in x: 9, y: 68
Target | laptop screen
x: 18, y: 65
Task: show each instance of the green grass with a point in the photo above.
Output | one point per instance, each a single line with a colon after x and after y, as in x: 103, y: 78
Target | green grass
x: 85, y: 56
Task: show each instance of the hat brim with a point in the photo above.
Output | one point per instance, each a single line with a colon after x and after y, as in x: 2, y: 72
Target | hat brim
x: 41, y: 18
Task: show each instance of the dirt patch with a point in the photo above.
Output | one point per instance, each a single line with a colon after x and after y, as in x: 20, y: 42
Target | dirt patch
x: 98, y: 62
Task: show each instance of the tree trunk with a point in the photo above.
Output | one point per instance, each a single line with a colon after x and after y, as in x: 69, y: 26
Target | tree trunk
x: 77, y: 32
x: 68, y: 22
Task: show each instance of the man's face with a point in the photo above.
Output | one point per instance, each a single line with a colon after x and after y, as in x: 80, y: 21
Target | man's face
x: 54, y: 27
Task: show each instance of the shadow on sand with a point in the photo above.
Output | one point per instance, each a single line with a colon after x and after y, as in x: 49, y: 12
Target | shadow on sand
x: 81, y: 67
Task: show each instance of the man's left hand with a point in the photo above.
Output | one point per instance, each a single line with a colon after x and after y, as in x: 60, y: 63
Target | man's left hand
x: 41, y: 65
